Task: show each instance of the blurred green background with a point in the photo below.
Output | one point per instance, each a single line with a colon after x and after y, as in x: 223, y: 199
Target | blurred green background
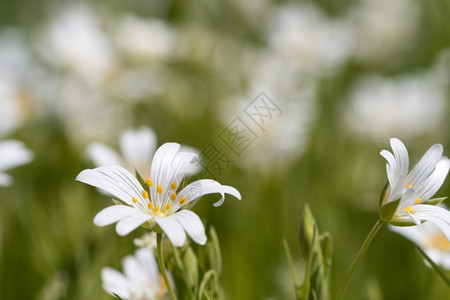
x: 347, y: 75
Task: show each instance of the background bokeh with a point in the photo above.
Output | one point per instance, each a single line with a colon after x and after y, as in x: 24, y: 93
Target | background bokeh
x: 347, y: 75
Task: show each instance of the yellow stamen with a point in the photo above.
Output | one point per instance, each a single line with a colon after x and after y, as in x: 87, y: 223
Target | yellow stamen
x: 134, y: 199
x: 173, y: 186
x: 149, y: 182
x: 418, y: 200
x: 182, y: 200
x: 168, y: 205
x: 408, y: 186
x: 150, y: 205
x: 145, y: 194
x: 409, y: 209
x: 159, y: 189
x: 156, y: 209
x: 173, y: 197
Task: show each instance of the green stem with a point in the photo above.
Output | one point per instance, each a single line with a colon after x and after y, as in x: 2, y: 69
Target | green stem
x: 162, y: 267
x: 435, y: 267
x: 358, y: 257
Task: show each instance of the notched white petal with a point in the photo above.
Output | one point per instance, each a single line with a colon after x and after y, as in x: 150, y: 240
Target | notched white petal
x: 130, y: 223
x: 192, y: 225
x: 173, y: 230
x: 112, y: 214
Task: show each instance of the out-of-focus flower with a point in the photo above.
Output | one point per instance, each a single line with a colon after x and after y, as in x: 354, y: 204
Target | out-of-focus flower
x: 384, y: 29
x: 308, y: 39
x: 158, y: 203
x: 431, y: 239
x: 12, y: 154
x: 407, y: 199
x: 143, y: 39
x: 148, y: 240
x: 140, y: 281
x: 381, y: 107
x: 137, y: 147
x: 74, y: 41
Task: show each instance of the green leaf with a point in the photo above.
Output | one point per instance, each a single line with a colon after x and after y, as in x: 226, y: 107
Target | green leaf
x: 191, y: 269
x: 436, y: 201
x: 213, y: 252
x: 209, y: 285
x: 387, y: 211
x: 383, y: 195
x: 308, y: 228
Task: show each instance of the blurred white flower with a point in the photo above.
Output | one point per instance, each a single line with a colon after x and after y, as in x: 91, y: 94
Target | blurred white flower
x: 404, y: 106
x: 384, y: 29
x: 431, y: 239
x: 148, y: 240
x: 407, y: 199
x: 144, y: 39
x: 308, y: 39
x: 140, y: 280
x: 12, y: 154
x: 158, y: 203
x: 16, y: 92
x: 137, y: 147
x: 75, y: 41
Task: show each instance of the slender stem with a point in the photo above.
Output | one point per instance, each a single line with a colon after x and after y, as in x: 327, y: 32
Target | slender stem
x: 358, y: 257
x: 162, y: 267
x: 435, y: 267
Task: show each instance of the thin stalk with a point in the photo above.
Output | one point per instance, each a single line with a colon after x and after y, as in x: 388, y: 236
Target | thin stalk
x: 162, y: 267
x: 435, y: 267
x: 358, y: 257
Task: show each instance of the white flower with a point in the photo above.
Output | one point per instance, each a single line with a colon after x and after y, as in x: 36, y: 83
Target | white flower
x: 12, y: 154
x: 140, y: 281
x: 162, y: 205
x: 136, y: 149
x: 429, y: 238
x: 407, y: 199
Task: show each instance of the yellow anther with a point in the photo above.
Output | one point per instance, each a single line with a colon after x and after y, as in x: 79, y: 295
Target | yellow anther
x: 409, y: 209
x: 173, y: 186
x: 156, y: 209
x: 173, y: 197
x: 134, y: 199
x: 145, y: 194
x: 408, y: 186
x: 149, y: 182
x: 418, y: 200
x: 159, y: 189
x: 182, y: 200
x: 168, y: 205
x: 150, y: 205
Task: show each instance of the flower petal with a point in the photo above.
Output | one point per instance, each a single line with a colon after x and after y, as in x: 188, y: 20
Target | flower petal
x: 138, y: 145
x: 438, y: 215
x: 390, y: 166
x: 130, y: 223
x: 112, y: 214
x: 147, y: 261
x: 433, y: 183
x: 202, y: 187
x: 133, y: 270
x: 401, y: 157
x: 192, y: 225
x: 115, y: 180
x: 115, y: 282
x: 5, y: 179
x: 13, y: 154
x: 161, y: 166
x: 102, y: 155
x: 173, y: 230
x: 425, y: 166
